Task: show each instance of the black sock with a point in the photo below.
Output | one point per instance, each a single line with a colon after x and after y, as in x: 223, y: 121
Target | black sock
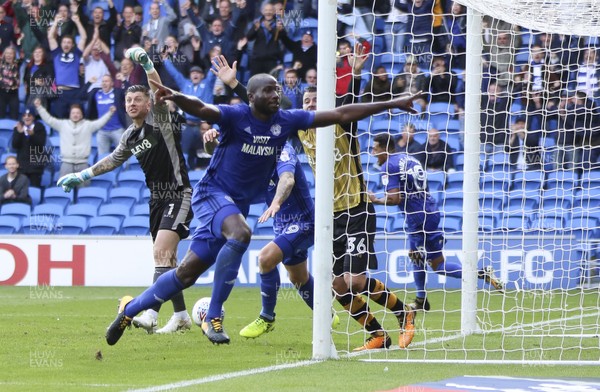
x: 158, y: 271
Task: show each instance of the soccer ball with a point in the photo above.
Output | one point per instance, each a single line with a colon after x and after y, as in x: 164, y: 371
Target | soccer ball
x: 200, y: 310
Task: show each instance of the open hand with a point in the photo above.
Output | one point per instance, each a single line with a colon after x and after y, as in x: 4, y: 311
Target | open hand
x: 223, y: 71
x: 162, y: 93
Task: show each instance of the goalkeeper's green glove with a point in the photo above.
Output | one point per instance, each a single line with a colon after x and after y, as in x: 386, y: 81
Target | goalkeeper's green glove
x: 138, y: 55
x: 70, y: 181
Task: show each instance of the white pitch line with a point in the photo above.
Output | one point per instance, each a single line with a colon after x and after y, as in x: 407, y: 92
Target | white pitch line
x: 225, y: 376
x: 444, y: 339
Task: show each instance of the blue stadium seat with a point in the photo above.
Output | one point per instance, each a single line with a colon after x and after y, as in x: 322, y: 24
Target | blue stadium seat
x: 590, y: 179
x: 441, y: 108
x: 514, y: 224
x: 7, y: 124
x: 136, y: 225
x: 94, y: 195
x: 265, y: 228
x: 83, y: 210
x: 71, y: 225
x: 526, y: 200
x: 118, y: 211
x: 528, y: 180
x: 196, y: 175
x: 124, y: 195
x: 439, y: 121
x: 36, y: 195
x: 256, y: 210
x: 105, y: 181
x: 453, y: 141
x: 499, y: 161
x: 141, y: 210
x: 20, y: 210
x: 451, y: 224
x: 381, y: 126
x: 582, y: 224
x: 310, y: 178
x: 54, y: 210
x: 104, y: 225
x: 490, y: 204
x: 10, y: 225
x: 398, y: 225
x: 133, y: 179
x: 56, y: 195
x: 145, y: 196
x: 562, y: 179
x: 456, y: 177
x: 487, y: 223
x: 454, y: 126
x: 547, y: 224
x: 384, y: 223
x: 452, y: 207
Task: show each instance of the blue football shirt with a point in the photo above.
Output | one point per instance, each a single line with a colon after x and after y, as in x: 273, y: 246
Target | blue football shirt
x: 405, y: 173
x: 243, y: 162
x: 299, y: 206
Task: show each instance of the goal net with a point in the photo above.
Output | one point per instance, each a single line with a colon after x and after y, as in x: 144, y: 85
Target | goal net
x: 508, y: 136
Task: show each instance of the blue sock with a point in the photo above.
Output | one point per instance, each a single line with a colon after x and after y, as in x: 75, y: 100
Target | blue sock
x: 166, y: 286
x: 450, y: 268
x: 419, y: 275
x: 227, y: 267
x: 307, y: 290
x: 269, y: 286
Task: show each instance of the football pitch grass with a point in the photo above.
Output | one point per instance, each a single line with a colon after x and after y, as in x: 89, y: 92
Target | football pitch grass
x: 53, y: 339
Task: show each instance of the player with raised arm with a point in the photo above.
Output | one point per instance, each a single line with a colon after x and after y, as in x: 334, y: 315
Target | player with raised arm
x: 292, y: 208
x: 252, y: 137
x: 405, y: 183
x: 353, y: 246
x: 157, y: 147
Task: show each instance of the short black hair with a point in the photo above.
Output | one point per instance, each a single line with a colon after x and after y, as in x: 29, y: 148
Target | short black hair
x: 138, y: 88
x: 385, y: 140
x: 310, y: 89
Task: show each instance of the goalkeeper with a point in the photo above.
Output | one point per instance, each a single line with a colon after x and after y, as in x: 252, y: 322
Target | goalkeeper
x: 405, y: 184
x: 158, y: 149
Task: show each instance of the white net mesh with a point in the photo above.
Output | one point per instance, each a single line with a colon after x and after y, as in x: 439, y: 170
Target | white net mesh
x: 539, y: 203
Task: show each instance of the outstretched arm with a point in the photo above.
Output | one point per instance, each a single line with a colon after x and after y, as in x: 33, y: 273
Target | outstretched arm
x: 190, y: 105
x: 358, y: 111
x: 284, y: 188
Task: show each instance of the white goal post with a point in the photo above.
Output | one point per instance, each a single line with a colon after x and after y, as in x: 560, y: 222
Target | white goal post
x: 537, y: 324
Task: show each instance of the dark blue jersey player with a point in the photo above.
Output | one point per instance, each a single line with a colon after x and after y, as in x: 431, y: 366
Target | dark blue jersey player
x: 405, y: 183
x: 252, y: 137
x: 292, y: 207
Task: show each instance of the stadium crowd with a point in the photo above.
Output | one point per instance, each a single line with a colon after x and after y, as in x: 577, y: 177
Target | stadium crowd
x: 539, y: 96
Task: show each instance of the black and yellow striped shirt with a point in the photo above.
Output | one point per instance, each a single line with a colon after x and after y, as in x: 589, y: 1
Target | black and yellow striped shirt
x: 348, y: 179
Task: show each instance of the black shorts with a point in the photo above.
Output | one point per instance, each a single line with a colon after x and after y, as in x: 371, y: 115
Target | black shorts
x: 353, y: 239
x: 172, y: 214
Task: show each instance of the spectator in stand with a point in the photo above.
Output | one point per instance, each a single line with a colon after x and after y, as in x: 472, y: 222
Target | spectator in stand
x: 105, y: 28
x: 265, y: 31
x: 495, y: 118
x: 7, y: 31
x: 419, y: 26
x: 379, y: 87
x: 411, y: 81
x: 516, y: 144
x: 10, y: 78
x: 235, y: 17
x: 14, y: 187
x: 311, y: 77
x: 498, y: 60
x: 292, y: 89
x: 456, y: 24
x: 39, y: 78
x: 343, y: 70
x: 407, y: 144
x: 181, y: 62
x: 202, y: 88
x: 95, y: 67
x: 33, y: 24
x: 440, y: 34
x: 138, y: 13
x: 100, y: 102
x: 29, y: 141
x: 66, y: 60
x: 129, y: 75
x: 438, y: 155
x: 127, y: 33
x: 157, y: 28
x: 442, y: 82
x: 75, y: 136
x: 186, y: 33
x: 587, y: 74
x: 304, y: 51
x: 202, y: 155
x: 396, y: 37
